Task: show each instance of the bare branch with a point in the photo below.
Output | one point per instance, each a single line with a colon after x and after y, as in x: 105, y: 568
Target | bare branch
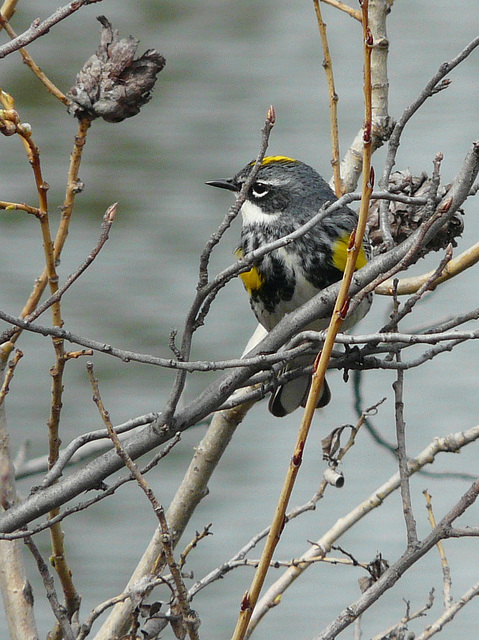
x: 446, y: 570
x: 372, y: 502
x: 105, y: 492
x: 189, y: 617
x: 39, y: 28
x: 398, y: 387
x: 449, y: 614
x: 429, y: 90
x: 392, y: 575
x: 57, y: 608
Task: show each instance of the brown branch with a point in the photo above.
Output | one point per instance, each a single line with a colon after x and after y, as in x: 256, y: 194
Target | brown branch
x: 446, y: 570
x: 31, y: 64
x: 5, y: 387
x: 189, y: 617
x: 457, y: 265
x: 17, y: 206
x: 333, y: 102
x: 49, y: 585
x: 73, y: 187
x: 251, y: 597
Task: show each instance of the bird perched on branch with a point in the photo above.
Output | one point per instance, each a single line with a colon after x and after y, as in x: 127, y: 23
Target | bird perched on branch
x: 286, y: 194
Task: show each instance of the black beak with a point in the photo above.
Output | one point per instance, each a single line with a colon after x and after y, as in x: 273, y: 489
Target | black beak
x: 224, y: 184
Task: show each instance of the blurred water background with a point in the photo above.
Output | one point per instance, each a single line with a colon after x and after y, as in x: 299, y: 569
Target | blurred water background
x: 226, y: 63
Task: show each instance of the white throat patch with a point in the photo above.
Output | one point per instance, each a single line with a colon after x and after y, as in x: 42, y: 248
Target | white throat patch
x: 252, y: 214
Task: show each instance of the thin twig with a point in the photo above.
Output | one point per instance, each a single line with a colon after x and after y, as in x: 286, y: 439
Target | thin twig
x: 39, y: 28
x: 347, y: 521
x: 189, y: 617
x: 407, y: 618
x: 398, y: 387
x: 426, y: 286
x: 104, y: 493
x: 191, y: 545
x: 62, y: 231
x: 58, y: 610
x: 67, y: 454
x: 31, y: 64
x: 205, y: 292
x: 354, y: 13
x: 429, y: 90
x: 429, y: 337
x: 138, y: 591
x: 4, y: 389
x: 333, y: 101
x: 108, y: 219
x: 19, y: 206
x: 446, y: 570
x: 448, y: 615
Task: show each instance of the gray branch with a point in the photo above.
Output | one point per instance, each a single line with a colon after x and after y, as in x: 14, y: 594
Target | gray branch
x: 93, y: 474
x: 40, y: 28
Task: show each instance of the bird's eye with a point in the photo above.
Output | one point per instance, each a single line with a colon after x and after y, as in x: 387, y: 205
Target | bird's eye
x: 259, y: 189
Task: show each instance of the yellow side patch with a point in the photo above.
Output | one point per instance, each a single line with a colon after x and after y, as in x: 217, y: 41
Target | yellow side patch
x: 251, y: 279
x: 270, y: 159
x: 340, y: 253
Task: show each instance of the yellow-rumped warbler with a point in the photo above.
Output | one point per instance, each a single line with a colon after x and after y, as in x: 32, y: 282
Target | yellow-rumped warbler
x: 286, y: 194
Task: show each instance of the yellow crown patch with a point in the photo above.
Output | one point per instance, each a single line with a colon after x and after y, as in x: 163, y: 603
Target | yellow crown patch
x: 271, y: 159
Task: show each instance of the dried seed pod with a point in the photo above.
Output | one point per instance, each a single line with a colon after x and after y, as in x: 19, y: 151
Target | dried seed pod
x: 406, y: 218
x: 112, y: 84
